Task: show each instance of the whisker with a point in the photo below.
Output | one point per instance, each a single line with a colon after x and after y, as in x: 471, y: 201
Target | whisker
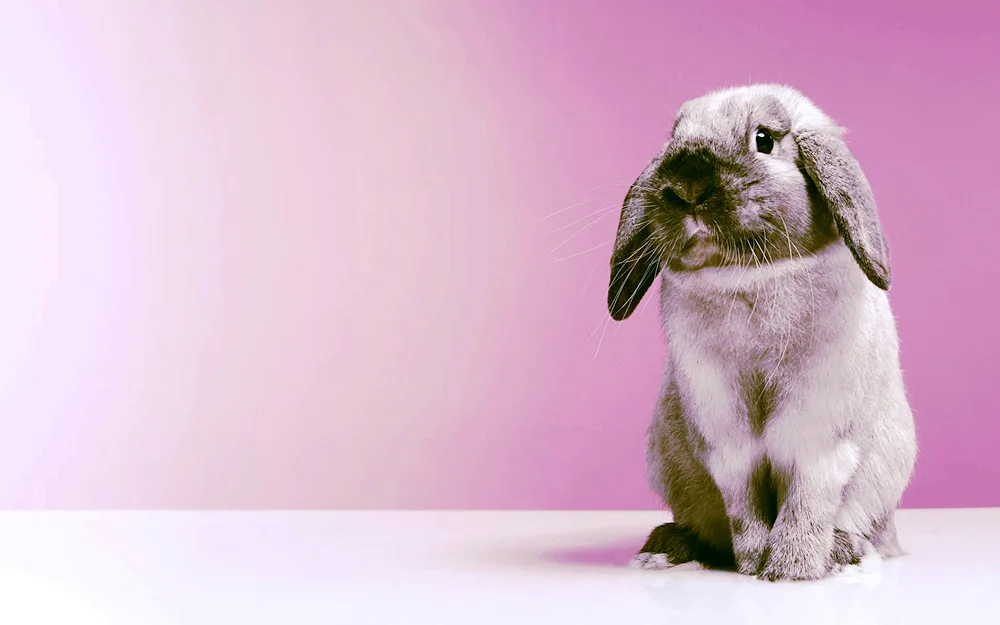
x: 639, y: 251
x: 582, y: 230
x: 645, y: 346
x: 586, y: 251
x: 784, y: 348
x: 603, y: 318
x: 756, y: 300
x: 625, y: 281
x: 812, y: 288
x: 648, y: 300
x: 583, y: 201
x: 756, y: 290
x: 736, y: 290
x: 634, y: 347
x: 582, y: 293
x: 601, y: 211
x: 787, y: 235
x: 645, y: 245
x: 659, y: 255
x: 627, y: 374
x: 600, y: 342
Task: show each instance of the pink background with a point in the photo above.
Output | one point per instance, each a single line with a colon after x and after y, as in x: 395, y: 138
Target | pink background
x: 326, y: 254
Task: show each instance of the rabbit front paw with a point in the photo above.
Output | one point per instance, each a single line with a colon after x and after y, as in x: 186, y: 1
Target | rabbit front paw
x: 797, y: 558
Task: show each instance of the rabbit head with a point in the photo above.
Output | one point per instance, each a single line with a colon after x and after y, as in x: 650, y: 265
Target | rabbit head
x: 750, y: 176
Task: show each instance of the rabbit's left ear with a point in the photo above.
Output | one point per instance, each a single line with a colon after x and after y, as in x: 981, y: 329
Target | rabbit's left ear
x: 840, y: 181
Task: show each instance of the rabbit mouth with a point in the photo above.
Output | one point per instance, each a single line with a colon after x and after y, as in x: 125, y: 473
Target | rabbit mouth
x: 705, y: 249
x: 699, y: 252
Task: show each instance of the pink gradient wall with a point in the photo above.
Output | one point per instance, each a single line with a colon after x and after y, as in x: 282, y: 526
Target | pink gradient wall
x: 354, y: 254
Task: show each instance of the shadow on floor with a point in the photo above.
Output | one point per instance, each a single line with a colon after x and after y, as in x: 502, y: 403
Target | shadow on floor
x: 591, y: 554
x: 616, y: 555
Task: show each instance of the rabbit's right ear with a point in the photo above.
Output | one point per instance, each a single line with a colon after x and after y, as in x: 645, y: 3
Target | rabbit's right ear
x: 635, y: 260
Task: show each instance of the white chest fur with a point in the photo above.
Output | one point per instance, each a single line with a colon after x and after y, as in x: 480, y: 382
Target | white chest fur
x: 763, y: 359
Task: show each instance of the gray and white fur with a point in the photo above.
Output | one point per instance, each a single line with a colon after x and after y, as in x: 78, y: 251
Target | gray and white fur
x: 782, y: 439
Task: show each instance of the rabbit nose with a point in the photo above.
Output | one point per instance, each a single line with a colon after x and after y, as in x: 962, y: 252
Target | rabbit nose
x: 692, y: 172
x: 688, y: 196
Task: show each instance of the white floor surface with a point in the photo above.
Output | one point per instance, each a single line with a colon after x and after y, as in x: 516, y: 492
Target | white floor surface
x: 151, y: 568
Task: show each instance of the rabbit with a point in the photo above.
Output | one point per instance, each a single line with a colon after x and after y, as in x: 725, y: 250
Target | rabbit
x: 782, y: 439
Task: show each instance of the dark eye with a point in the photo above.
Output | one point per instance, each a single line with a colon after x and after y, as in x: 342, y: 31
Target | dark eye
x: 765, y: 141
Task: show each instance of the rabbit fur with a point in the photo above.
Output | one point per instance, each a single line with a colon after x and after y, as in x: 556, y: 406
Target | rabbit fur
x: 782, y: 439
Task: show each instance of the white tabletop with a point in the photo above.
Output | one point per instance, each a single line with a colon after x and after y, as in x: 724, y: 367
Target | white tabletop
x: 147, y: 568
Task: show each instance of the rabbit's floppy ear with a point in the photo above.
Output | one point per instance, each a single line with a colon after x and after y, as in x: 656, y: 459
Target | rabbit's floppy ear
x: 635, y: 260
x: 843, y: 186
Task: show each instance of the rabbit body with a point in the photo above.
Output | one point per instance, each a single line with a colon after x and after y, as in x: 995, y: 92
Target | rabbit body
x: 782, y: 439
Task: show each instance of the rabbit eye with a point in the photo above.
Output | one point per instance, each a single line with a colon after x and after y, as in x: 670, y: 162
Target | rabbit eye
x: 765, y: 141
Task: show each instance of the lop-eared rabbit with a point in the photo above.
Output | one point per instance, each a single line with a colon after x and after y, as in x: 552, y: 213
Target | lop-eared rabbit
x: 782, y: 439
